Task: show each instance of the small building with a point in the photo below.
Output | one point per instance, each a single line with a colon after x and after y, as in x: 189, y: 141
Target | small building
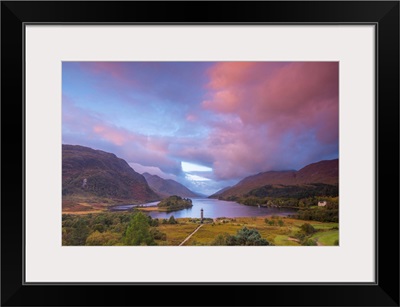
x: 322, y: 203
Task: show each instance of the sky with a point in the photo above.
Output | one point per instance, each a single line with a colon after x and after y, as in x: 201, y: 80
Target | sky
x: 206, y: 125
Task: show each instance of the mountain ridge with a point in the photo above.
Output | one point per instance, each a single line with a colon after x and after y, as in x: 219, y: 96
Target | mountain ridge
x: 325, y: 171
x: 167, y: 187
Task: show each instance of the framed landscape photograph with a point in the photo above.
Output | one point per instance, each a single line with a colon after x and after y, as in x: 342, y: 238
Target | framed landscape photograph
x: 213, y: 153
x: 253, y: 150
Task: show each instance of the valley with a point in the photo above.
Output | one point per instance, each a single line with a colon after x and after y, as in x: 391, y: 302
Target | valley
x: 106, y: 202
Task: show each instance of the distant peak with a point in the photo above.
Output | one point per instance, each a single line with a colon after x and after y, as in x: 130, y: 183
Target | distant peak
x: 146, y: 174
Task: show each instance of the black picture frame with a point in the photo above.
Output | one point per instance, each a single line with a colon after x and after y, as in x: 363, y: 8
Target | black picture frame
x: 383, y: 14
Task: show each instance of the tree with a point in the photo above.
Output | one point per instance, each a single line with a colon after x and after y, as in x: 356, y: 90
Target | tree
x: 172, y: 220
x: 65, y: 236
x: 307, y: 228
x: 79, y: 233
x: 231, y: 241
x: 280, y: 223
x: 246, y: 236
x: 153, y: 222
x: 138, y: 231
x: 174, y: 202
x: 98, y: 227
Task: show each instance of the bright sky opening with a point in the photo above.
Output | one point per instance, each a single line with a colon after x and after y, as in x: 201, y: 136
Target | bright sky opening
x: 191, y: 167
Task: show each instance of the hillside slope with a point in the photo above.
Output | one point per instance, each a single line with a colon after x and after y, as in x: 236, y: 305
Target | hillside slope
x: 325, y: 172
x: 167, y: 187
x: 94, y: 174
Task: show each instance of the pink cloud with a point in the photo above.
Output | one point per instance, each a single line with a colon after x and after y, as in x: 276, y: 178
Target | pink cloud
x: 257, y: 95
x: 285, y: 112
x: 226, y: 74
x: 110, y: 134
x: 191, y: 117
x: 239, y: 150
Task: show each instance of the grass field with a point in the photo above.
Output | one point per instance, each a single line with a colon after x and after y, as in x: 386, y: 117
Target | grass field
x: 326, y: 237
x: 83, y: 220
x: 284, y: 240
x: 176, y: 233
x: 83, y: 208
x: 327, y: 233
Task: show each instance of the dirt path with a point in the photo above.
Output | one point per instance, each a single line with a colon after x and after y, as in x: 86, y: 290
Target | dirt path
x: 189, y: 236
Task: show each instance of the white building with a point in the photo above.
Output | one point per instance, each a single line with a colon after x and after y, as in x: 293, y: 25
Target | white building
x: 322, y: 203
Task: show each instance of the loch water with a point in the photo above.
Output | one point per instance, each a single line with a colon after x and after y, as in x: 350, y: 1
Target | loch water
x: 213, y: 208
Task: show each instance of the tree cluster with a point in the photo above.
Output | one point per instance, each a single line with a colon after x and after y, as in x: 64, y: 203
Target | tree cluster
x: 175, y: 203
x: 116, y: 228
x: 243, y: 237
x: 295, y: 191
x: 305, y: 233
x: 320, y: 214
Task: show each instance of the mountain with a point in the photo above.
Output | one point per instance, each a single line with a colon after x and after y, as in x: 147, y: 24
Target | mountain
x: 323, y: 172
x: 94, y: 174
x: 220, y: 191
x: 167, y: 187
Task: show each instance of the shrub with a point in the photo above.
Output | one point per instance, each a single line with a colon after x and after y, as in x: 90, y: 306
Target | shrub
x: 153, y: 222
x: 158, y: 235
x: 247, y: 237
x: 336, y: 242
x: 172, y: 220
x: 307, y: 228
x: 103, y: 239
x: 300, y: 236
x: 309, y: 242
x: 98, y: 227
x: 220, y: 239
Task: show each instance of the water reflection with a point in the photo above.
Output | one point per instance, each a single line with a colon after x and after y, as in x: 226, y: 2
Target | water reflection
x: 214, y: 208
